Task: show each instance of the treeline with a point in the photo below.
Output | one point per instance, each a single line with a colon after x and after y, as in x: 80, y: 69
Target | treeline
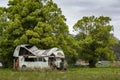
x: 41, y: 23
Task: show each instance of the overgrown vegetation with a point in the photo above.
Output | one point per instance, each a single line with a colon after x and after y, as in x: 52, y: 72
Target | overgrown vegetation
x: 70, y: 74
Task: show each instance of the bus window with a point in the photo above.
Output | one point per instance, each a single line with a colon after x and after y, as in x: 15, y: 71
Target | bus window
x: 30, y: 59
x: 39, y: 59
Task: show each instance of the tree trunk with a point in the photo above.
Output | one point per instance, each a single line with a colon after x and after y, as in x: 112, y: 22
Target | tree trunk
x: 92, y: 63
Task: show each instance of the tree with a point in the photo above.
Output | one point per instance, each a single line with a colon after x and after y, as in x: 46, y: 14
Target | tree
x: 116, y: 49
x: 36, y: 22
x: 3, y: 20
x: 95, y: 39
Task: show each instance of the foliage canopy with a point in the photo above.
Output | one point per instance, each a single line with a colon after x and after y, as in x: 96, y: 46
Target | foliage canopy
x: 95, y: 39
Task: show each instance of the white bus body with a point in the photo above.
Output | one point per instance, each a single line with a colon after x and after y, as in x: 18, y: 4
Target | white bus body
x: 26, y: 56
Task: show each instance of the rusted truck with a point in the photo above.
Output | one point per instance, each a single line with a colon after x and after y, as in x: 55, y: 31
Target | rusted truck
x: 26, y: 56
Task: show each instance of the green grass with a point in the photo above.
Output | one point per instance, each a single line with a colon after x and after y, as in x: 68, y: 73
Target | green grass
x: 70, y: 74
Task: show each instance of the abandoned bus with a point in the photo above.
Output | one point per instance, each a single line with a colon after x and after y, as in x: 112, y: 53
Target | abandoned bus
x: 26, y: 56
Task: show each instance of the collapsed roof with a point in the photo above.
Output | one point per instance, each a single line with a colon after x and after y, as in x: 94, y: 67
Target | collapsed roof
x: 38, y: 52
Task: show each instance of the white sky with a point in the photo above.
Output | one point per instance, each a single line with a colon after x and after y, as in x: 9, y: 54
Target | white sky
x: 76, y: 9
x: 3, y: 3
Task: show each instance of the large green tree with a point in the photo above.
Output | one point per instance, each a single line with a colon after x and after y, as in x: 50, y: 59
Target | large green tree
x: 36, y: 22
x: 95, y: 39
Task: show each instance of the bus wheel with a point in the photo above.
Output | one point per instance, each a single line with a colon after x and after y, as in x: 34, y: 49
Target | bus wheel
x: 24, y: 66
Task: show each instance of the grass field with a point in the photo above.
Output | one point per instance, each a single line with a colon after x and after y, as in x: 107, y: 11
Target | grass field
x: 70, y: 74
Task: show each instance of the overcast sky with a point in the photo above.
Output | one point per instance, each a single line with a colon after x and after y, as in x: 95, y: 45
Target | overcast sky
x: 76, y: 9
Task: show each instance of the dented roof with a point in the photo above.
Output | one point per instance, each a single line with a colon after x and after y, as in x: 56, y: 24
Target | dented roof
x: 38, y: 52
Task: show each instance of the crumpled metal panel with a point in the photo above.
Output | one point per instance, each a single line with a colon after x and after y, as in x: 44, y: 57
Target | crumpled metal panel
x: 38, y: 52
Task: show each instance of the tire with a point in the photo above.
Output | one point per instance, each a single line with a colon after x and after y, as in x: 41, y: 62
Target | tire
x: 23, y: 66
